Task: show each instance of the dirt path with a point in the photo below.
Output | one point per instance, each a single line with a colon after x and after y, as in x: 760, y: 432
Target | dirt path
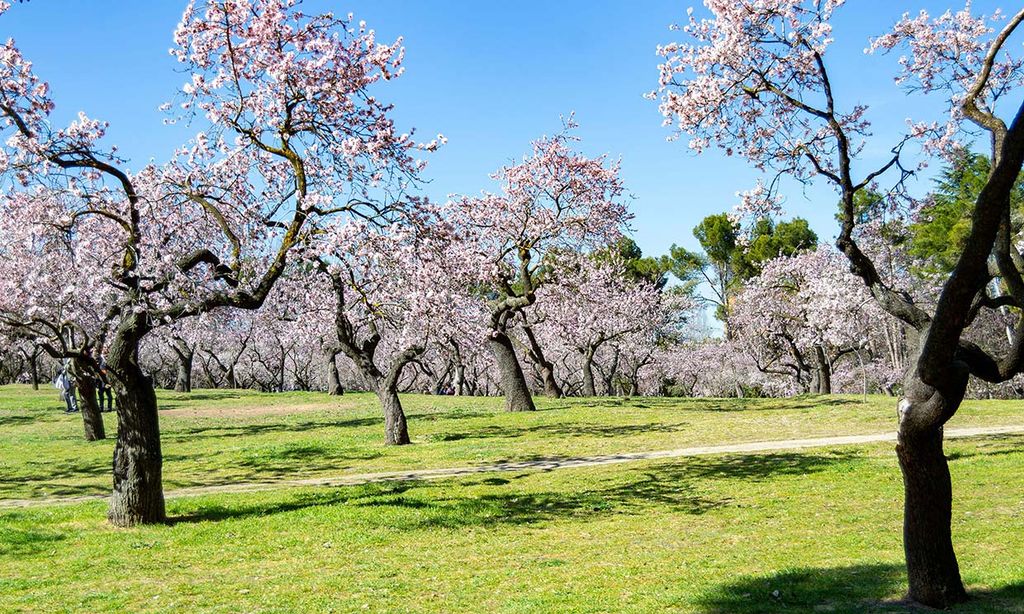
x: 533, y: 465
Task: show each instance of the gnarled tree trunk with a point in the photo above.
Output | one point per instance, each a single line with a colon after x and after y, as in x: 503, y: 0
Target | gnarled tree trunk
x: 138, y: 495
x: 92, y: 418
x: 396, y: 430
x: 183, y: 380
x: 334, y: 387
x: 33, y: 369
x: 545, y: 366
x: 588, y: 372
x: 513, y: 382
x: 822, y: 381
x: 932, y: 568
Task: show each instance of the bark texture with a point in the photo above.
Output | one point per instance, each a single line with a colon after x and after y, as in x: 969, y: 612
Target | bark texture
x: 396, y: 431
x: 932, y: 568
x: 92, y: 418
x: 138, y: 495
x: 186, y: 355
x: 334, y: 387
x: 589, y: 390
x: 513, y: 382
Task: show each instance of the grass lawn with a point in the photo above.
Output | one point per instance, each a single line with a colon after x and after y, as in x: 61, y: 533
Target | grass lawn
x: 810, y: 531
x: 213, y: 437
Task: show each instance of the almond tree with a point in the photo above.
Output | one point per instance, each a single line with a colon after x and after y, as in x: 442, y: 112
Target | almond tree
x: 802, y: 315
x: 555, y: 200
x: 755, y: 80
x: 396, y: 289
x: 289, y: 137
x: 590, y: 303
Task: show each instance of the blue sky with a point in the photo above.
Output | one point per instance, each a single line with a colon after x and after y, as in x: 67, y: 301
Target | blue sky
x: 491, y: 76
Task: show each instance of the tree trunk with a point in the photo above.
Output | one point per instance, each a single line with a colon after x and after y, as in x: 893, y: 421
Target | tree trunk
x: 183, y: 381
x: 92, y: 418
x: 932, y: 568
x: 460, y: 380
x: 546, y: 367
x: 33, y: 370
x: 138, y: 496
x: 822, y: 373
x: 334, y: 387
x: 396, y: 431
x: 588, y: 373
x: 551, y: 387
x: 513, y: 382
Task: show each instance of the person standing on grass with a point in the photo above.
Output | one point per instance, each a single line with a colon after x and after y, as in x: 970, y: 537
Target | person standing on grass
x: 66, y: 384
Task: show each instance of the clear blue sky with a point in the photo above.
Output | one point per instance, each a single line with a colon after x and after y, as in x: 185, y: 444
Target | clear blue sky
x: 491, y: 76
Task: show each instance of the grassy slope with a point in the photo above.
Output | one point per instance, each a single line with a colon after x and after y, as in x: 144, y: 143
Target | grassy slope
x: 42, y: 453
x: 713, y: 534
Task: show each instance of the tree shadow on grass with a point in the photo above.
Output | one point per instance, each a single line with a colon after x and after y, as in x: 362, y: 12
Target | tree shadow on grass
x: 988, y: 445
x: 58, y: 478
x: 17, y: 541
x: 856, y: 588
x: 673, y: 485
x: 245, y: 430
x: 562, y: 430
x: 265, y: 464
x: 707, y: 403
x: 18, y: 420
x: 850, y: 589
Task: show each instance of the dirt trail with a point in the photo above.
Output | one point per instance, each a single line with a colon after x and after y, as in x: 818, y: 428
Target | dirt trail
x: 532, y: 465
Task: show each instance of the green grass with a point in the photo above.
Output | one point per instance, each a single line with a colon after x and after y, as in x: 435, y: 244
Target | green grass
x: 221, y: 437
x: 810, y: 531
x: 712, y: 534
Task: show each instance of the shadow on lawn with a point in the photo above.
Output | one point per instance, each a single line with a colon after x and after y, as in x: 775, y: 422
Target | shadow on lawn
x: 16, y: 541
x: 562, y: 430
x: 855, y: 588
x: 18, y: 420
x: 988, y: 445
x: 674, y: 486
x: 264, y: 464
x: 245, y: 430
x: 58, y: 479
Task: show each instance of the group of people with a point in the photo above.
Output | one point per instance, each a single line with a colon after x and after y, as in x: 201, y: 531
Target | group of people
x: 66, y: 382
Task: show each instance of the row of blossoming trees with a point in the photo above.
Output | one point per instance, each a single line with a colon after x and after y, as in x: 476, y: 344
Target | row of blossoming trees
x: 286, y: 245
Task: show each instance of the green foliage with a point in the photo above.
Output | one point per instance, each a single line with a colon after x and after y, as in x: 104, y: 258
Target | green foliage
x: 938, y: 238
x: 726, y: 263
x: 770, y: 240
x: 638, y: 266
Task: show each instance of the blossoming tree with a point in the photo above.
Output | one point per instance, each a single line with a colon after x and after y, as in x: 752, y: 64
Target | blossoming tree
x: 554, y: 200
x: 290, y: 135
x: 755, y: 80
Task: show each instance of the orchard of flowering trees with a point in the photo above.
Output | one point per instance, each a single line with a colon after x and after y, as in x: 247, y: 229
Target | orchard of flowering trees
x: 288, y: 243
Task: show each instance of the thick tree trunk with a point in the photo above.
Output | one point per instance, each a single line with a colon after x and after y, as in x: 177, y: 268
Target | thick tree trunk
x: 92, y: 418
x: 551, y: 387
x: 546, y: 367
x: 334, y: 387
x: 822, y: 372
x: 396, y: 431
x: 588, y: 373
x: 609, y: 378
x: 459, y: 383
x: 33, y: 370
x: 138, y: 495
x: 183, y: 381
x: 932, y: 568
x: 513, y: 382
